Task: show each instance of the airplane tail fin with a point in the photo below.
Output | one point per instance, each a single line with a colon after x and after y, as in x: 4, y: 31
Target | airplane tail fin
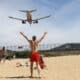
x: 28, y: 10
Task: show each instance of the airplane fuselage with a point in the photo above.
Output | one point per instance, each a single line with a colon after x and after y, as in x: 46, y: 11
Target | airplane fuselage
x: 29, y: 17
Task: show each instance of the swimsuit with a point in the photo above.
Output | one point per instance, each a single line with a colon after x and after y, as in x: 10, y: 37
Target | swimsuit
x: 34, y: 57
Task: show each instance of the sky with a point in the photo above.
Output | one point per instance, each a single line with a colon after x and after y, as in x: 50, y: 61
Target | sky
x: 63, y: 26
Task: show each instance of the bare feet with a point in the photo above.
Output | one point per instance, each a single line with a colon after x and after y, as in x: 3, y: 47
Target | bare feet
x: 34, y: 77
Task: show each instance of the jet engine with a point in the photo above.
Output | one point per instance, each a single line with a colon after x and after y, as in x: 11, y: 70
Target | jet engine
x: 36, y: 21
x: 23, y: 22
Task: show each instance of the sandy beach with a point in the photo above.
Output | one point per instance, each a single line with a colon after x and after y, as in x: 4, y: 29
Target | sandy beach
x: 58, y: 68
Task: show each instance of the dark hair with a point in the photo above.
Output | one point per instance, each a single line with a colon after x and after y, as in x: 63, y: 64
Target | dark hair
x: 3, y: 48
x: 33, y: 38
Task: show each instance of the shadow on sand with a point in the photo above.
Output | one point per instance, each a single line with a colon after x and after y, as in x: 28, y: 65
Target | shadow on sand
x: 19, y: 77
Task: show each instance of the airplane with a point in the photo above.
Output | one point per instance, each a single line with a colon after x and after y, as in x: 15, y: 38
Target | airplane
x: 29, y: 18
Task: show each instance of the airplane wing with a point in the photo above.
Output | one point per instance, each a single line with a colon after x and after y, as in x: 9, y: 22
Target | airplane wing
x: 42, y: 18
x: 17, y: 18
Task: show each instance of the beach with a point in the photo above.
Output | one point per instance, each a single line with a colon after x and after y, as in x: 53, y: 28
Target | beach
x: 57, y: 68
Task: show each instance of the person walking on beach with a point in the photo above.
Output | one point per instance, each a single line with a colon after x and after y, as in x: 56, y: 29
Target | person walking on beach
x: 34, y: 54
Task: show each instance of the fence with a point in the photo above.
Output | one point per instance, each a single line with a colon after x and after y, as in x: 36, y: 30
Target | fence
x: 46, y: 49
x: 27, y: 47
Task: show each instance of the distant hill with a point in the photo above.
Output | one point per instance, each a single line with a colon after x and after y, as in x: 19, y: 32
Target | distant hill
x: 67, y: 47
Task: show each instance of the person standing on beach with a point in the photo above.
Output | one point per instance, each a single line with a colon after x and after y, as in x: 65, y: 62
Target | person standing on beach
x: 2, y: 55
x: 34, y: 54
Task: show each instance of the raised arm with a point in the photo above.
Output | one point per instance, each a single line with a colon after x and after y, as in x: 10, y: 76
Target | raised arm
x: 42, y: 37
x: 24, y: 36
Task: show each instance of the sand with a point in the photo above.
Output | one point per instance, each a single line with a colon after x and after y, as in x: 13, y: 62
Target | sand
x: 58, y: 68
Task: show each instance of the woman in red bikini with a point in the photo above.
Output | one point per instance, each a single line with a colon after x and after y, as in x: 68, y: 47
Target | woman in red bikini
x: 34, y: 55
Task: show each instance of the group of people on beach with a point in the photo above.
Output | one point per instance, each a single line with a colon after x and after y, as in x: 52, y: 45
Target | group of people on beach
x: 35, y: 56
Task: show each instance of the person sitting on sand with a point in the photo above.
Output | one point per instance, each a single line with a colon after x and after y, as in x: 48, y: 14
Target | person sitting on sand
x: 34, y: 55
